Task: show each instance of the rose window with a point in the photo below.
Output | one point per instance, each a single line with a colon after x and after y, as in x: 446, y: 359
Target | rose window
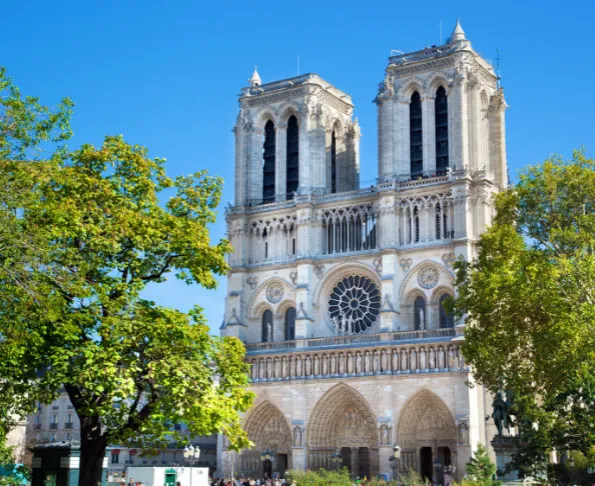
x: 356, y: 300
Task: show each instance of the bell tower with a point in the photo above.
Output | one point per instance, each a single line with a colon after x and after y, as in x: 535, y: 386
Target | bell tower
x: 440, y: 110
x: 294, y: 137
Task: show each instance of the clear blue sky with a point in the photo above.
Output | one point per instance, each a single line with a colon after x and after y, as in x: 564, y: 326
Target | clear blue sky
x: 167, y: 74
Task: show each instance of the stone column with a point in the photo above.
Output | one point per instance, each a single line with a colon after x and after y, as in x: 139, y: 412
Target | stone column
x: 429, y: 135
x: 385, y: 139
x: 402, y: 148
x: 254, y: 189
x: 459, y: 153
x: 281, y: 163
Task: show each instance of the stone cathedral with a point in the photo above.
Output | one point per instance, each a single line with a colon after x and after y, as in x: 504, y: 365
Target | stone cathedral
x: 338, y: 290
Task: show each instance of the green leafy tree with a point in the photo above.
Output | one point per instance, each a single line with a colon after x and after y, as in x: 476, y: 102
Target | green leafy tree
x: 530, y: 302
x: 317, y: 478
x: 480, y: 467
x: 95, y: 234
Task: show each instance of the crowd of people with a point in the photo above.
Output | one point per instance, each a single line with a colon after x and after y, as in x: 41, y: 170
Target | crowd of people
x: 250, y: 482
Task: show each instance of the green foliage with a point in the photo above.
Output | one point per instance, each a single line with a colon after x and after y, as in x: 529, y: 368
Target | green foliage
x: 412, y: 478
x: 82, y: 234
x: 319, y: 478
x: 480, y: 468
x: 530, y: 299
x: 25, y: 124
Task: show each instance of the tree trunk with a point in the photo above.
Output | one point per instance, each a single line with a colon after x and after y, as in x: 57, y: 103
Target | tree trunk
x: 93, y: 445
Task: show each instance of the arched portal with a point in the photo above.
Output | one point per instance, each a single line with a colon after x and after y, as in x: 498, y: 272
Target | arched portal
x: 426, y: 432
x: 343, y: 422
x: 268, y: 429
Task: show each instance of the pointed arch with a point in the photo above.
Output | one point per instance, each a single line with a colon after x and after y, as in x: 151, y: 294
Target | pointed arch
x: 425, y: 418
x: 269, y: 151
x: 268, y: 429
x: 415, y: 135
x: 292, y: 157
x: 341, y: 419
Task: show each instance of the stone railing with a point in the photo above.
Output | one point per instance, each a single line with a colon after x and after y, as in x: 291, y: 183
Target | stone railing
x: 353, y: 339
x: 390, y: 360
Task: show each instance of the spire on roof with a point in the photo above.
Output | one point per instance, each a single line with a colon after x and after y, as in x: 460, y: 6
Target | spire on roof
x: 255, y: 79
x: 458, y: 34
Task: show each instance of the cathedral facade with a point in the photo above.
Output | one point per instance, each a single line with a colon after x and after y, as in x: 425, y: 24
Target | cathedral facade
x: 338, y: 290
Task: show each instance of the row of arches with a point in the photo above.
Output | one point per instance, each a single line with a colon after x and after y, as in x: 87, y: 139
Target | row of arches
x: 416, y: 141
x: 342, y: 421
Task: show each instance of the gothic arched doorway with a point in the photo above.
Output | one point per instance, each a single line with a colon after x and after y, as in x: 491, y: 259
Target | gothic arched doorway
x: 268, y: 429
x: 426, y: 433
x: 342, y: 421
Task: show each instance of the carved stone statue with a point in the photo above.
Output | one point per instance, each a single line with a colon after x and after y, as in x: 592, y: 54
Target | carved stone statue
x: 432, y: 358
x: 350, y: 363
x: 325, y: 365
x: 350, y: 325
x: 269, y: 368
x: 441, y: 358
x: 269, y: 332
x: 499, y: 412
x: 308, y: 366
x: 358, y: 363
x: 284, y: 367
x: 395, y: 360
x: 423, y: 362
x: 341, y: 364
x: 463, y: 432
x: 385, y: 436
x: 336, y: 324
x: 277, y: 368
x: 344, y: 324
x: 298, y: 366
x: 261, y: 370
x: 316, y: 366
x: 452, y: 359
x: 422, y: 319
x: 297, y: 436
x: 368, y: 363
x: 376, y: 361
x: 413, y: 359
x: 384, y: 360
x: 404, y: 361
x: 333, y: 364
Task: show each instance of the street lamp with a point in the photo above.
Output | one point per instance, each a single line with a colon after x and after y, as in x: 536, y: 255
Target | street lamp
x: 336, y: 459
x: 394, y: 459
x: 191, y: 454
x: 449, y: 472
x: 267, y: 456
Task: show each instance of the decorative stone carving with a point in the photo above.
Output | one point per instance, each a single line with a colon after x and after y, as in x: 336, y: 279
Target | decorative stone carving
x: 293, y: 276
x: 428, y: 277
x: 463, y: 434
x: 384, y: 435
x: 275, y: 292
x: 319, y: 269
x: 377, y: 262
x: 298, y: 434
x: 406, y: 264
x: 449, y: 259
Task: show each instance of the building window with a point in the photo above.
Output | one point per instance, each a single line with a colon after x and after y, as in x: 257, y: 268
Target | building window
x: 293, y: 246
x: 419, y: 313
x: 416, y: 223
x: 115, y: 458
x: 267, y: 326
x: 445, y: 223
x: 293, y: 157
x: 333, y: 162
x: 266, y: 249
x: 268, y: 168
x: 446, y: 316
x: 52, y: 437
x: 68, y: 436
x: 415, y: 136
x: 438, y: 222
x: 290, y: 324
x: 441, y: 117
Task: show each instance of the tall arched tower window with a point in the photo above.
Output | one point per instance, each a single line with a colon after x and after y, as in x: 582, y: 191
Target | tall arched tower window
x: 333, y: 162
x: 268, y: 167
x: 419, y: 313
x: 290, y: 324
x: 446, y: 317
x: 441, y: 112
x: 415, y: 136
x: 267, y: 326
x: 293, y: 156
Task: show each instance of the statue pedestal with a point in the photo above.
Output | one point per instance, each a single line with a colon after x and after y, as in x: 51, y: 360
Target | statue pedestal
x: 504, y: 447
